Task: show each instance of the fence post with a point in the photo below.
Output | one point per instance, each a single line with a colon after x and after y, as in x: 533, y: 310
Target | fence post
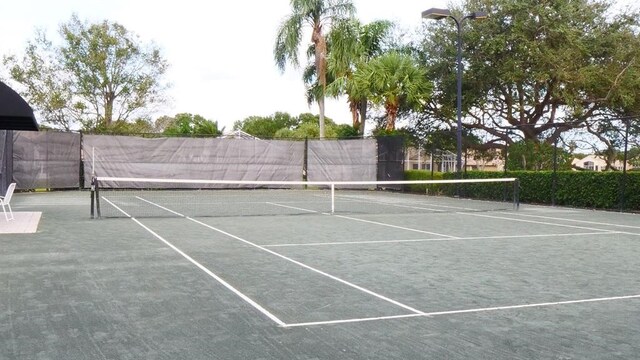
x: 554, y: 179
x: 81, y: 177
x: 516, y: 194
x: 623, y: 179
x: 305, y: 161
x: 506, y: 154
x: 6, y: 162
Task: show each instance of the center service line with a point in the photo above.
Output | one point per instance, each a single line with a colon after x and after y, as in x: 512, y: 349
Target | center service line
x: 367, y: 221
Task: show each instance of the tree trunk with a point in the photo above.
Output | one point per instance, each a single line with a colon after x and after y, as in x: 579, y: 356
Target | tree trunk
x: 363, y: 115
x: 108, y: 108
x: 355, y: 120
x: 392, y: 113
x: 321, y: 115
x: 321, y: 67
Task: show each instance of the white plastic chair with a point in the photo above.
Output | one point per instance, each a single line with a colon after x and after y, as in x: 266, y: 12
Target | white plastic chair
x: 6, y: 199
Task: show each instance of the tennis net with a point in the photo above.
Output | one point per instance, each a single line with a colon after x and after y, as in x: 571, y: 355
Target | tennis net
x: 140, y: 197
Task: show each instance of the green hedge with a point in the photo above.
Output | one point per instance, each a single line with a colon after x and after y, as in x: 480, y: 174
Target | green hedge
x: 597, y: 190
x: 484, y: 191
x: 423, y: 175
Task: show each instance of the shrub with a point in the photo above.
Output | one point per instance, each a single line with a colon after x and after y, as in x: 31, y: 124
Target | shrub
x: 585, y: 189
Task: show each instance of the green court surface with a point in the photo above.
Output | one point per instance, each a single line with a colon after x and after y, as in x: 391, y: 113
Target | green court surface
x: 533, y: 283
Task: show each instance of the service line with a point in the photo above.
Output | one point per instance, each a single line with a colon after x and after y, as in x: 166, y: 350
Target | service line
x: 466, y: 311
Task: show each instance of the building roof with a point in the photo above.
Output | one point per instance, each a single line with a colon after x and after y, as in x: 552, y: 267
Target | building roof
x: 238, y: 134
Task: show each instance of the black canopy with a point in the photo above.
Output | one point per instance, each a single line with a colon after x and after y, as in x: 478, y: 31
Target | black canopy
x: 15, y: 113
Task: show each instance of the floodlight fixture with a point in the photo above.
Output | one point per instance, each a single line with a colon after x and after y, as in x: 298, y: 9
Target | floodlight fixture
x: 438, y: 14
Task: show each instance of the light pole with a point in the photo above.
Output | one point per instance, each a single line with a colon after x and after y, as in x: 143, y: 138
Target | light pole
x: 437, y: 14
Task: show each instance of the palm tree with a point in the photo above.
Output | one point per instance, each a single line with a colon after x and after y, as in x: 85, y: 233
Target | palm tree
x: 353, y: 45
x: 317, y: 14
x: 394, y: 80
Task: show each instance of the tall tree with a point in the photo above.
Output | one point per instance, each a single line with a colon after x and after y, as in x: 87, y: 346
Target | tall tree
x: 50, y: 94
x: 394, y: 80
x: 540, y: 67
x: 352, y: 45
x: 99, y: 74
x: 318, y: 15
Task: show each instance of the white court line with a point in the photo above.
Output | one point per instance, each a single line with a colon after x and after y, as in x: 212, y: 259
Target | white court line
x: 48, y: 204
x: 116, y: 206
x: 382, y: 297
x: 506, y: 203
x: 604, y: 231
x: 580, y: 221
x: 397, y: 303
x: 439, y: 211
x: 203, y: 268
x: 378, y: 202
x: 368, y: 202
x: 161, y: 207
x: 396, y: 226
x: 497, y: 237
x: 355, y: 242
x: 416, y: 313
x: 368, y: 221
x: 467, y: 311
x: 296, y: 208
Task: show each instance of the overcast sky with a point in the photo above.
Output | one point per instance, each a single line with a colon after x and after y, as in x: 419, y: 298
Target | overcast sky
x: 220, y: 53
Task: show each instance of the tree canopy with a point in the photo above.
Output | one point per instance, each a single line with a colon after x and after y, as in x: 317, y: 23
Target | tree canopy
x: 283, y: 125
x: 394, y: 80
x: 537, y: 68
x: 352, y: 45
x: 192, y: 125
x: 318, y: 15
x: 534, y: 73
x: 97, y: 74
x: 265, y: 127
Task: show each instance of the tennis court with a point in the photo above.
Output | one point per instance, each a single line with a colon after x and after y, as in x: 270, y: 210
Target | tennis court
x: 452, y: 280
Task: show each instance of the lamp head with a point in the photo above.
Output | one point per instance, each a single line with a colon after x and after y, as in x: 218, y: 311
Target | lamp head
x: 436, y: 14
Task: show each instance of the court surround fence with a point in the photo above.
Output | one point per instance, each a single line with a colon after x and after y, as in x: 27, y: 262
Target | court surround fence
x: 65, y: 160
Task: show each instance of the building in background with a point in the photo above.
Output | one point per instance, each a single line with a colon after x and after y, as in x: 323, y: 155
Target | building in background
x: 445, y: 161
x: 596, y: 163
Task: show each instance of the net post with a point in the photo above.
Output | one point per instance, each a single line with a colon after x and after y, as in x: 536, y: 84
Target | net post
x: 516, y: 194
x: 93, y: 196
x: 333, y: 198
x: 97, y: 195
